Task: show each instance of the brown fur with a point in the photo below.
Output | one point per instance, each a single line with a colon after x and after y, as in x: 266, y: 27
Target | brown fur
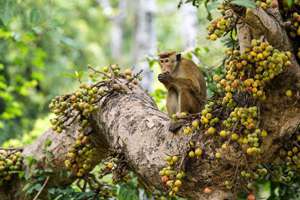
x: 185, y: 83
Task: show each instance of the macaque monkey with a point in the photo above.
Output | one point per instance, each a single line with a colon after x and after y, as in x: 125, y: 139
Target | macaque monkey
x: 185, y: 84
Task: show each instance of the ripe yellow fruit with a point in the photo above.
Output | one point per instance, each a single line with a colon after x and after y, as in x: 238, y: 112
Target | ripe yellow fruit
x: 289, y: 93
x: 178, y: 183
x: 187, y: 130
x: 170, y: 183
x: 204, y: 120
x: 128, y: 72
x: 218, y: 155
x: 211, y: 131
x: 68, y: 164
x: 175, y: 159
x: 198, y: 152
x: 195, y: 124
x: 264, y: 133
x: 208, y: 115
x: 191, y: 154
x: 175, y: 189
x: 234, y: 136
x: 213, y: 37
x: 109, y: 165
x: 223, y: 133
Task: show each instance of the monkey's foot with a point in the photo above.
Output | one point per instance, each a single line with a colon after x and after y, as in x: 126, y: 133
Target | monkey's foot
x: 175, y: 126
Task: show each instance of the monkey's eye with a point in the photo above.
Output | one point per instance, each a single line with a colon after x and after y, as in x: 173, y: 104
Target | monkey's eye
x: 167, y: 60
x: 162, y: 61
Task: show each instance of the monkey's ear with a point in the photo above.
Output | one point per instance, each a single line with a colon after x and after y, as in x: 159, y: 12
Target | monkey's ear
x: 178, y: 57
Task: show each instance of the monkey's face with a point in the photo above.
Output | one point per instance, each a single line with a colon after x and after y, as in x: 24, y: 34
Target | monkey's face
x: 167, y: 64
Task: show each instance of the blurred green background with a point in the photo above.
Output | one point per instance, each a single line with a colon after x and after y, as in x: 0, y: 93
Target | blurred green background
x: 42, y: 44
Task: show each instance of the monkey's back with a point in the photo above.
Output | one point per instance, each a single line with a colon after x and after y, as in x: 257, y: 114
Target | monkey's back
x: 193, y: 72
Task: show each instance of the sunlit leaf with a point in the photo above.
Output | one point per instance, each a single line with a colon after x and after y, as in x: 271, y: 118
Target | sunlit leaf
x: 244, y: 3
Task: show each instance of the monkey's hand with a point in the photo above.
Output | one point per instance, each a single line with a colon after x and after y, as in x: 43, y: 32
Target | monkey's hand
x: 165, y: 77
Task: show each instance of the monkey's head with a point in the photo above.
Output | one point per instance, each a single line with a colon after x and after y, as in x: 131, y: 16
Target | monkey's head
x: 168, y: 61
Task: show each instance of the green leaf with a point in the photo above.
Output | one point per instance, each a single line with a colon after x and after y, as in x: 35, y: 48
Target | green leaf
x: 127, y: 193
x: 47, y: 143
x: 7, y: 10
x: 244, y: 3
x: 29, y: 188
x: 212, y: 5
x: 30, y: 160
x: 290, y: 3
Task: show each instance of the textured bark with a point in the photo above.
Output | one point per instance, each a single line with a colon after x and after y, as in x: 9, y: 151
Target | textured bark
x: 133, y: 124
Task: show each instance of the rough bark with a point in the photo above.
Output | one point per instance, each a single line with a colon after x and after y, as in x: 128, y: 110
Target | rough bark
x: 131, y: 122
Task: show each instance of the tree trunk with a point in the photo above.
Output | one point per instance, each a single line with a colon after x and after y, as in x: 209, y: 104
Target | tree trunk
x: 132, y: 123
x: 144, y: 38
x: 117, y: 27
x: 189, y: 26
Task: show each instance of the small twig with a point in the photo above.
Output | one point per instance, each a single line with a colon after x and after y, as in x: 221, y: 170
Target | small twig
x: 134, y: 77
x: 113, y: 77
x: 99, y: 72
x: 12, y: 148
x: 42, y: 188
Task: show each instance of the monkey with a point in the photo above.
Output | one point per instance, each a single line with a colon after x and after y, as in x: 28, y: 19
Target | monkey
x: 185, y: 84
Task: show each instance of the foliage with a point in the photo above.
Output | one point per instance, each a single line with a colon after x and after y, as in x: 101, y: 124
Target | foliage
x: 37, y: 37
x: 40, y: 48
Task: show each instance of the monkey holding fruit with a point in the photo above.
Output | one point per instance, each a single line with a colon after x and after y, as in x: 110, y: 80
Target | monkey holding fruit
x: 185, y: 84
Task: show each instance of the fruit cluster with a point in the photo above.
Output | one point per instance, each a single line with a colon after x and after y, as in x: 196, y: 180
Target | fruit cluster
x: 195, y: 152
x: 252, y: 70
x: 251, y: 176
x: 79, y: 106
x: 242, y: 127
x: 220, y: 26
x: 207, y: 117
x: 264, y: 4
x: 171, y: 177
x: 208, y: 120
x: 293, y: 157
x: 294, y: 27
x: 79, y: 157
x: 11, y: 162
